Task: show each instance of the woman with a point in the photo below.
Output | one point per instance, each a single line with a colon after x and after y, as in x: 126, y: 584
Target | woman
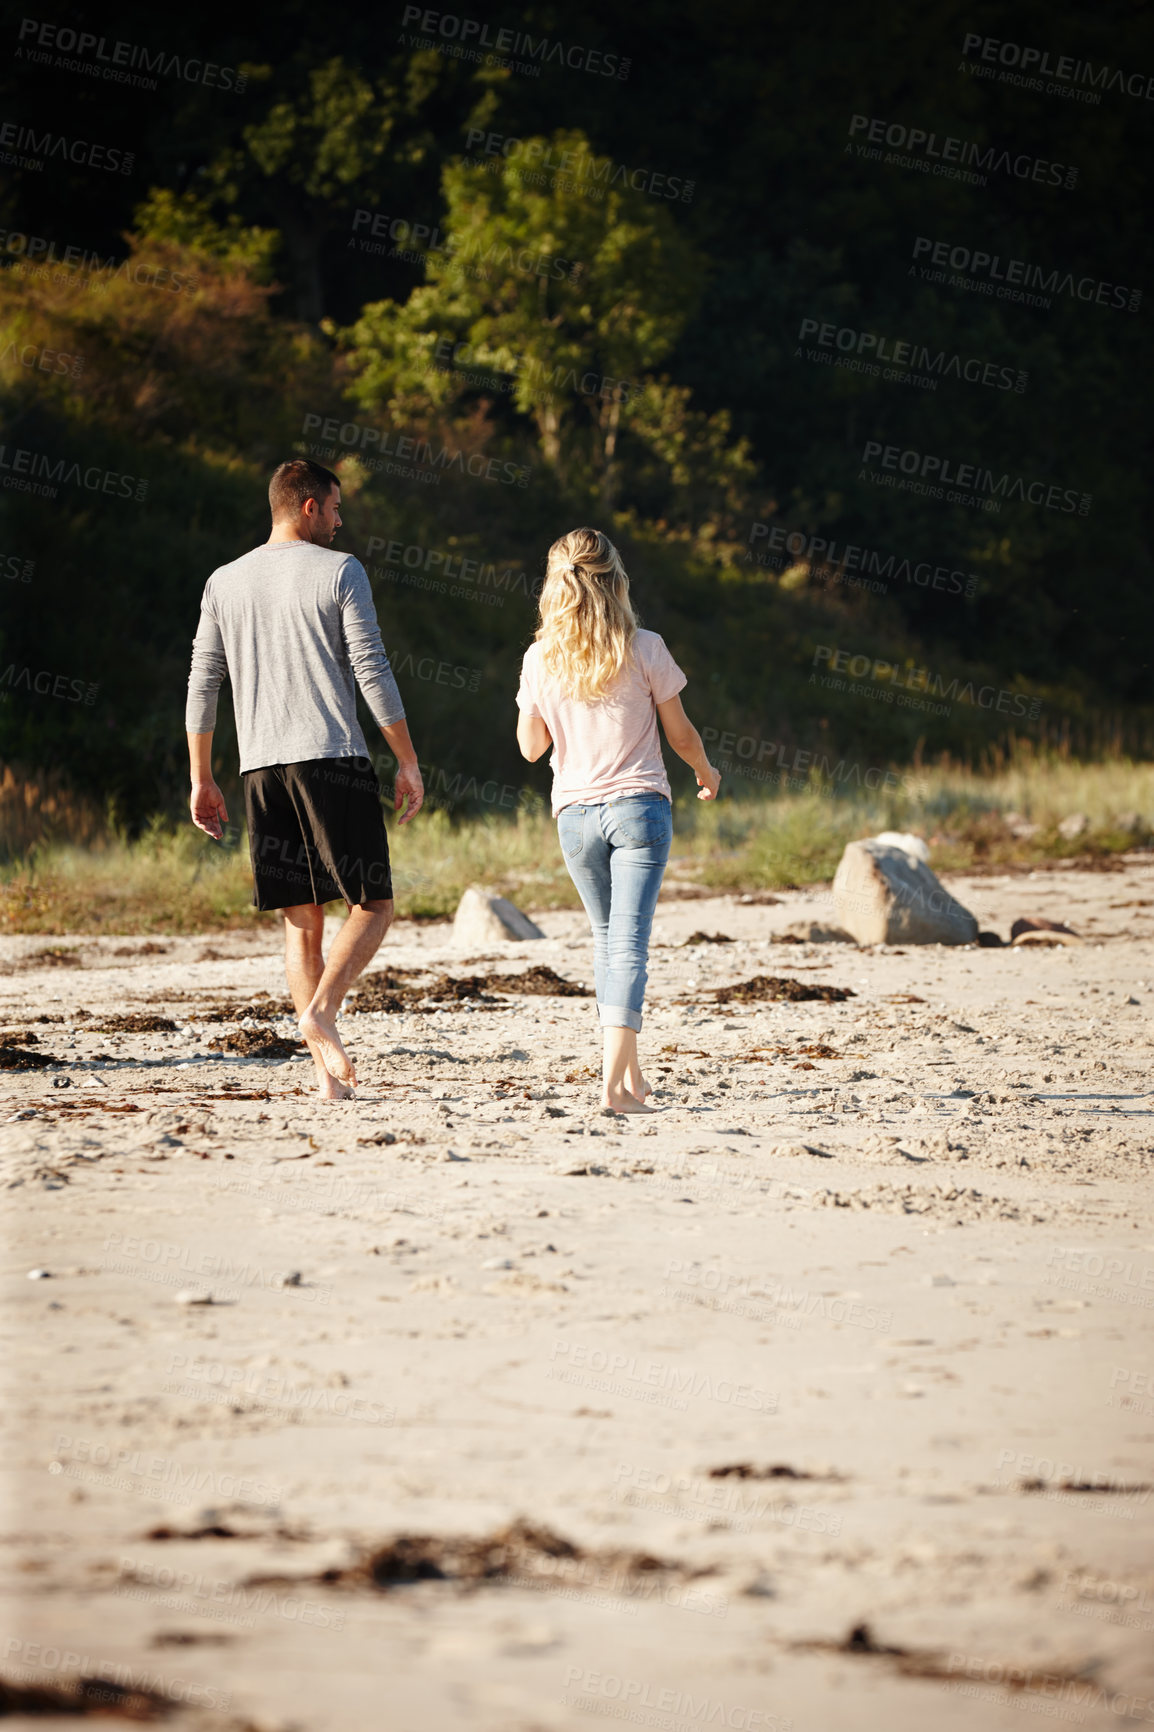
x: 592, y: 687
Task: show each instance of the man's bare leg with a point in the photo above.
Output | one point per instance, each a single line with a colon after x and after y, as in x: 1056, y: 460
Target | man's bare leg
x: 353, y: 949
x: 304, y: 965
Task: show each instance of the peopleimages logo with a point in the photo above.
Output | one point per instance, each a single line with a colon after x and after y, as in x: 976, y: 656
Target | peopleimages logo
x: 450, y: 356
x: 869, y: 352
x: 916, y: 679
x: 598, y: 171
x: 415, y: 242
x: 405, y: 454
x: 37, y: 254
x: 838, y: 559
x: 113, y: 63
x: 953, y: 156
x: 1035, y: 64
x: 465, y: 38
x: 46, y: 145
x: 38, y: 359
x: 1011, y: 279
x: 931, y: 475
x: 36, y: 472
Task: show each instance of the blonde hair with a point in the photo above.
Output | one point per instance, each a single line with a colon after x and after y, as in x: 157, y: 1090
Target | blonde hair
x: 587, y: 623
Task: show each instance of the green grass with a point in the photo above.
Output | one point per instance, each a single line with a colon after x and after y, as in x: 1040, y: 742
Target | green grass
x: 173, y: 880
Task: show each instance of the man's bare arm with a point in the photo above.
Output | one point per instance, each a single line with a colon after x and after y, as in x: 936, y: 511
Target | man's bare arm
x: 206, y: 802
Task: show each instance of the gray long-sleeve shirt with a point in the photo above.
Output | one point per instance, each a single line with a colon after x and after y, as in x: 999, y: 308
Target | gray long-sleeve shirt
x: 291, y: 623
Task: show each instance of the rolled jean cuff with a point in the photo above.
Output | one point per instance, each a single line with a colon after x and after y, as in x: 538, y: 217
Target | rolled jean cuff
x: 618, y: 1016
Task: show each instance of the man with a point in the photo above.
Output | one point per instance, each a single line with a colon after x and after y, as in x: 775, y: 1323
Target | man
x: 292, y: 623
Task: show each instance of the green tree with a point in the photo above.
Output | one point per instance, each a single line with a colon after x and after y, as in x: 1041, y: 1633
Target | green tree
x: 570, y: 287
x: 323, y: 147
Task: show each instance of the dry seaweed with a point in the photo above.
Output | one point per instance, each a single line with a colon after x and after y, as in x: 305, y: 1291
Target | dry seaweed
x: 17, y: 1058
x: 773, y: 987
x: 256, y: 1043
x: 96, y: 1697
x: 539, y: 980
x: 135, y: 1022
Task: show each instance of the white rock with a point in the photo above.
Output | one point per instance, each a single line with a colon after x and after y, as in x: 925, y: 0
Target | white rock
x: 482, y: 918
x: 883, y: 894
x: 1074, y: 826
x: 40, y: 1274
x: 189, y: 1296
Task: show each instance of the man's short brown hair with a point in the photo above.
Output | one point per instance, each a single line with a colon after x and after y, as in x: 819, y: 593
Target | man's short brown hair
x: 297, y: 480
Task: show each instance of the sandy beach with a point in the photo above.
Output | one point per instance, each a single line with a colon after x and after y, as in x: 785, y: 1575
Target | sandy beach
x: 824, y: 1398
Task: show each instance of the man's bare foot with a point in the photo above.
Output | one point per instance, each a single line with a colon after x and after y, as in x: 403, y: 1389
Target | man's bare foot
x: 329, y: 1088
x: 321, y: 1031
x: 621, y: 1101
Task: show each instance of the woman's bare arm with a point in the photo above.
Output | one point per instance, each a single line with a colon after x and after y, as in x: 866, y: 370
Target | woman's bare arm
x: 686, y: 742
x: 533, y: 736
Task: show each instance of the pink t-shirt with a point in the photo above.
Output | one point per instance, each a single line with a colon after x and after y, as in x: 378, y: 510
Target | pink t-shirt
x: 609, y: 747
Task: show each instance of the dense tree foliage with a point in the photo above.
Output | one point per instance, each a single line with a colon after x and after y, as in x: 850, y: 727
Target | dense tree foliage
x: 838, y: 323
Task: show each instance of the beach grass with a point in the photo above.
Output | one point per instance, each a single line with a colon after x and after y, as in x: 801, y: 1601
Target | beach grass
x: 172, y: 879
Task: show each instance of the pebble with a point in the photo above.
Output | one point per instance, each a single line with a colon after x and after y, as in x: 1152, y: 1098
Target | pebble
x: 40, y: 1274
x: 61, y: 1082
x: 498, y: 1263
x: 190, y: 1296
x: 292, y: 1279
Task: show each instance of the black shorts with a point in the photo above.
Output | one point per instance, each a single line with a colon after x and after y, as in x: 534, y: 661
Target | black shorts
x: 316, y: 833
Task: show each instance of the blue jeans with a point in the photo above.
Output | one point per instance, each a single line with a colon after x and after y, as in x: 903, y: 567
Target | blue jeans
x: 616, y: 855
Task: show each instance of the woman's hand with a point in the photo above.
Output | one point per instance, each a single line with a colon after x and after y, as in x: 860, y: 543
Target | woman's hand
x: 709, y: 783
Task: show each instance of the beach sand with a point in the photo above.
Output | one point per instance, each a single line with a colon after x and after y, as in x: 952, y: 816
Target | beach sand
x: 824, y: 1398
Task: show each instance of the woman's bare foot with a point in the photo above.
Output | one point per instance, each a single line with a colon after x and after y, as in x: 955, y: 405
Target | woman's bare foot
x: 622, y: 1101
x: 321, y: 1031
x: 637, y: 1085
x: 329, y: 1088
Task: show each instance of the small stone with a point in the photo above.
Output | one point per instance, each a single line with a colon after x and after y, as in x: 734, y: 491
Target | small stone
x: 61, y: 1082
x: 452, y: 1155
x: 813, y: 932
x: 498, y: 1263
x: 1036, y: 930
x: 40, y: 1274
x: 942, y: 1281
x: 190, y: 1296
x: 292, y: 1279
x: 483, y: 918
x: 1074, y: 826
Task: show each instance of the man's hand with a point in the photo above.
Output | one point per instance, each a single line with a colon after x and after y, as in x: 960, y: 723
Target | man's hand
x: 709, y: 783
x: 408, y: 782
x: 208, y: 809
